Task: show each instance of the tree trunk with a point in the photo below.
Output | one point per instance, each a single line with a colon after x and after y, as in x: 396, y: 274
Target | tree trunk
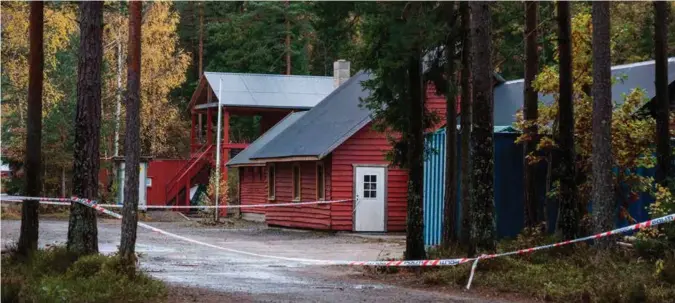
x: 131, y: 138
x: 201, y: 39
x: 415, y: 225
x: 288, y: 41
x: 482, y: 190
x: 569, y: 210
x: 118, y: 95
x: 465, y: 121
x: 532, y: 208
x: 28, y: 238
x: 601, y: 158
x: 82, y: 232
x: 63, y: 183
x: 450, y: 207
x: 663, y: 150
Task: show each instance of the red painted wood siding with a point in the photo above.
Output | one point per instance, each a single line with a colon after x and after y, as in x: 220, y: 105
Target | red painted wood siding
x: 161, y: 171
x: 436, y: 103
x: 253, y: 188
x: 366, y: 147
x: 301, y: 216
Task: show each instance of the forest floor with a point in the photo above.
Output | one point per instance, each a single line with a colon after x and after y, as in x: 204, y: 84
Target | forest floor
x: 196, y: 273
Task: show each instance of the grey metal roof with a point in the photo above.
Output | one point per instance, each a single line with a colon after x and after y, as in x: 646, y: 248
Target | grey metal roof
x: 275, y: 91
x: 325, y: 126
x: 243, y: 158
x: 509, y: 95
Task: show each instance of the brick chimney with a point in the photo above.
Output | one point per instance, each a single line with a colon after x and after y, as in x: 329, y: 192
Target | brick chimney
x: 340, y: 72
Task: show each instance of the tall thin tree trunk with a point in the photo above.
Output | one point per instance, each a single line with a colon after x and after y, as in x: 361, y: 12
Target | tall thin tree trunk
x: 28, y: 238
x: 118, y: 94
x: 64, y: 192
x: 601, y: 158
x: 663, y: 149
x: 82, y: 232
x: 288, y: 40
x: 465, y: 122
x: 482, y: 186
x: 450, y: 207
x: 532, y: 208
x: 201, y: 38
x: 569, y: 209
x: 131, y: 138
x: 415, y: 225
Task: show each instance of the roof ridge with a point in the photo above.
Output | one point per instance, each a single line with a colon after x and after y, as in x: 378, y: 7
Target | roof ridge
x: 615, y: 67
x: 268, y: 75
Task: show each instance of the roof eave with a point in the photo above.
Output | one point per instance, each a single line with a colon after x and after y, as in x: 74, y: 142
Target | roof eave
x: 288, y: 159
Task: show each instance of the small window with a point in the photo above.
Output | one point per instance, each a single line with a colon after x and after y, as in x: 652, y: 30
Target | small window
x: 260, y: 173
x: 370, y: 186
x: 296, y: 182
x: 271, y: 184
x: 320, y: 182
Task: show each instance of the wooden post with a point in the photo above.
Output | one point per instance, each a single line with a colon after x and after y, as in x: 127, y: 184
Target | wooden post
x: 187, y: 191
x: 209, y: 127
x: 192, y: 132
x: 225, y: 154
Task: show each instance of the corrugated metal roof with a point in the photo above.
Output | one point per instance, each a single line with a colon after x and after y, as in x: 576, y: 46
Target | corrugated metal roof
x: 274, y: 91
x: 509, y: 95
x: 243, y: 157
x: 325, y: 126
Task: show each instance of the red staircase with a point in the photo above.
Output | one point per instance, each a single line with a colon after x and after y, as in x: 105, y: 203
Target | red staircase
x: 182, y: 181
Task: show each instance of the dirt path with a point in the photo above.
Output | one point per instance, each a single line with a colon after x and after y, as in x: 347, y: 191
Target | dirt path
x: 203, y: 274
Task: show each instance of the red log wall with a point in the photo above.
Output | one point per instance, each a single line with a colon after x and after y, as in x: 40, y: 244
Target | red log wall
x: 253, y: 188
x: 302, y: 216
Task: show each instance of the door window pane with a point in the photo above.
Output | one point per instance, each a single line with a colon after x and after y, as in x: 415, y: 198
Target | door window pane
x: 370, y: 186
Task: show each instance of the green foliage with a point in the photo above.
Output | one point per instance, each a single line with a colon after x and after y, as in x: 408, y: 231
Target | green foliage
x: 55, y: 275
x: 631, y: 138
x: 563, y: 275
x: 393, y: 34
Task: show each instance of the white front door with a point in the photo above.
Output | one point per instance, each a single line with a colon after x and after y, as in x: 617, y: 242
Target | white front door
x: 369, y: 205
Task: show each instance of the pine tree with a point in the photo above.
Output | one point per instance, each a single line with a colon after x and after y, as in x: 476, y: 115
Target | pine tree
x: 131, y: 138
x: 465, y: 122
x: 603, y: 183
x: 531, y: 112
x: 82, y: 231
x: 482, y: 147
x: 450, y: 203
x: 663, y: 148
x: 28, y: 239
x: 568, y: 222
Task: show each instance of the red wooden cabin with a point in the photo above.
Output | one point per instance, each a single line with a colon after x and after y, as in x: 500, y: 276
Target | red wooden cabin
x: 330, y: 152
x: 271, y: 97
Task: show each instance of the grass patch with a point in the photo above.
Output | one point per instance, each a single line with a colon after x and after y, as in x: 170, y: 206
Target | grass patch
x: 55, y: 275
x: 13, y: 211
x: 579, y: 274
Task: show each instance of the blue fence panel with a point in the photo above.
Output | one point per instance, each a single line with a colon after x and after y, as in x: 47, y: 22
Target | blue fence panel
x: 434, y: 168
x: 508, y: 186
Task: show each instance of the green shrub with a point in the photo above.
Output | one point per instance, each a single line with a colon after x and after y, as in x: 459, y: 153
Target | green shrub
x: 55, y: 275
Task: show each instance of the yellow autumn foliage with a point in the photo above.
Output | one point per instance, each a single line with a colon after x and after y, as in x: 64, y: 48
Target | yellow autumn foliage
x: 632, y: 137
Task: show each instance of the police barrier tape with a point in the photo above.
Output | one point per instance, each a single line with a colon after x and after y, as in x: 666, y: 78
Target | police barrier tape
x: 66, y: 201
x: 407, y: 263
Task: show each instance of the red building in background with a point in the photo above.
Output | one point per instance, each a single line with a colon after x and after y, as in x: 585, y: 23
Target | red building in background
x: 329, y: 152
x: 271, y: 97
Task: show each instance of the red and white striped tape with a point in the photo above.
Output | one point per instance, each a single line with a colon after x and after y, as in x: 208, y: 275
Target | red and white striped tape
x: 406, y: 263
x: 67, y: 201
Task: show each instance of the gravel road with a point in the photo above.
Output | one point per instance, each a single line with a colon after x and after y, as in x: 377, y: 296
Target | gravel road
x: 250, y: 279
